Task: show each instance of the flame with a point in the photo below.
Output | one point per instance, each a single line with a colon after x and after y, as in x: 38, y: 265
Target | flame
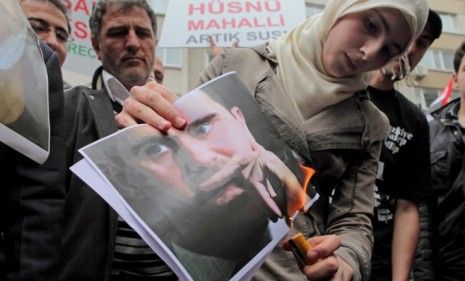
x: 308, y: 174
x: 304, y: 198
x: 299, y: 200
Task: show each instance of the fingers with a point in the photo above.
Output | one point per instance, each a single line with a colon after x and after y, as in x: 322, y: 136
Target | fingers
x: 124, y: 120
x: 322, y: 263
x: 332, y: 268
x: 151, y: 104
x: 324, y: 269
x: 324, y: 246
x: 345, y: 272
x: 134, y: 111
x: 262, y: 190
x: 295, y: 196
x: 225, y: 174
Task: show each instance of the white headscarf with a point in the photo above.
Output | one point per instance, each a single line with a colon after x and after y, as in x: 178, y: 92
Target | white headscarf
x: 300, y: 53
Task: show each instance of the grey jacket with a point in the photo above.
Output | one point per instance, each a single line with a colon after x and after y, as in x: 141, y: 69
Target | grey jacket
x: 344, y: 143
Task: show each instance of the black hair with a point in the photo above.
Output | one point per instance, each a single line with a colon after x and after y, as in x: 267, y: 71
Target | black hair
x: 459, y: 56
x: 60, y: 5
x: 100, y: 8
x: 435, y: 23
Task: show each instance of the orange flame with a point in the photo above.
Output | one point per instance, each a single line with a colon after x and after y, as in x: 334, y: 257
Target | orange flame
x: 308, y: 174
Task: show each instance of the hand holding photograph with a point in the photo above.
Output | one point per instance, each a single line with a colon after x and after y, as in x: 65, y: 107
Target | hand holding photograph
x: 212, y: 199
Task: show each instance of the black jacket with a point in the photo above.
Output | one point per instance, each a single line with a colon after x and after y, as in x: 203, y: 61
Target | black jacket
x: 448, y: 182
x: 90, y: 224
x: 32, y: 197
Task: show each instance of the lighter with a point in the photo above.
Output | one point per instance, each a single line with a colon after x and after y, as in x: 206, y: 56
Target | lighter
x: 300, y: 246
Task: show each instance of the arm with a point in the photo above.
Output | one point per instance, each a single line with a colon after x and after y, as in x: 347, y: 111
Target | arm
x: 423, y: 263
x: 352, y: 208
x: 420, y: 181
x: 405, y: 238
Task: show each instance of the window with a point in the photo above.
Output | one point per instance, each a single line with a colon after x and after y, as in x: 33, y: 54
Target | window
x: 170, y: 56
x: 449, y: 23
x: 311, y: 9
x: 427, y: 95
x: 159, y: 6
x: 439, y: 60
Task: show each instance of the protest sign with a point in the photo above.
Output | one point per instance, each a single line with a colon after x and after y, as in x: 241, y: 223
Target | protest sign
x: 81, y: 57
x: 190, y: 23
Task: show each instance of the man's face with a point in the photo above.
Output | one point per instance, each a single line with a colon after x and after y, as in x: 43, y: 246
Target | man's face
x: 415, y: 53
x: 185, y: 159
x: 126, y: 45
x: 419, y: 47
x: 49, y: 23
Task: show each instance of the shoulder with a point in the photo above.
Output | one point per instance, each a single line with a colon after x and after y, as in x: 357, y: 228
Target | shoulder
x: 247, y: 60
x: 76, y: 95
x: 354, y: 123
x: 251, y: 66
x: 77, y: 101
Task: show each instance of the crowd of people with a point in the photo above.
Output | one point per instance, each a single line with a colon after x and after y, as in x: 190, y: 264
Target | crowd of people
x: 391, y: 179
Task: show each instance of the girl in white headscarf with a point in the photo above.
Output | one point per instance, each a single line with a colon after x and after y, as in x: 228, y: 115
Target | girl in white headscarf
x: 307, y: 82
x: 300, y: 53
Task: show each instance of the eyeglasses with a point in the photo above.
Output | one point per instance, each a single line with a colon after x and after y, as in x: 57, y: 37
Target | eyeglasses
x: 42, y: 27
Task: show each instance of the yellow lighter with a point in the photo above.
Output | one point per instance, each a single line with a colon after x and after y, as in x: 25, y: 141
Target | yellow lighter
x: 300, y: 246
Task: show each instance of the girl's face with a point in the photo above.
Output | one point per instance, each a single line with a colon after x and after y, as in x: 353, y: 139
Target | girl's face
x: 365, y: 41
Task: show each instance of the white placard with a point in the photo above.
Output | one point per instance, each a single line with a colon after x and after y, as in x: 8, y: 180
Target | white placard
x: 190, y: 23
x: 81, y: 56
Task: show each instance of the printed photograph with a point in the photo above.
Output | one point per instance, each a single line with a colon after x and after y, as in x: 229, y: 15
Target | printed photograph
x: 211, y: 192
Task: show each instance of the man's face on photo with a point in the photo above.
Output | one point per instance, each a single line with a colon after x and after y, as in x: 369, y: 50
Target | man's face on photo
x: 214, y: 139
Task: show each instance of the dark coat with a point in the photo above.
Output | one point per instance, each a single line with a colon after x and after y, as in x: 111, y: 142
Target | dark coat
x: 32, y: 197
x: 448, y: 182
x: 90, y: 225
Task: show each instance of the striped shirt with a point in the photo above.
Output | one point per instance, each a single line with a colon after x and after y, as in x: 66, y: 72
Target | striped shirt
x: 134, y: 260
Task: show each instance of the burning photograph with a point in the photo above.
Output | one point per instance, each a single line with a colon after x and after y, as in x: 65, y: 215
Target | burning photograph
x: 213, y: 191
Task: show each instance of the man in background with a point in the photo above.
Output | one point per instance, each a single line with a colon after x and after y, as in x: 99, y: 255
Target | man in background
x: 50, y: 22
x: 447, y: 131
x: 403, y: 179
x: 98, y: 244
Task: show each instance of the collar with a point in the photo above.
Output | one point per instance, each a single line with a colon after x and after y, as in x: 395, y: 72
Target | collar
x: 115, y: 90
x: 452, y: 115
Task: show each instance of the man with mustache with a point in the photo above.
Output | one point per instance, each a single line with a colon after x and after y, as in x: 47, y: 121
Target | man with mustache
x: 213, y: 187
x: 99, y: 245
